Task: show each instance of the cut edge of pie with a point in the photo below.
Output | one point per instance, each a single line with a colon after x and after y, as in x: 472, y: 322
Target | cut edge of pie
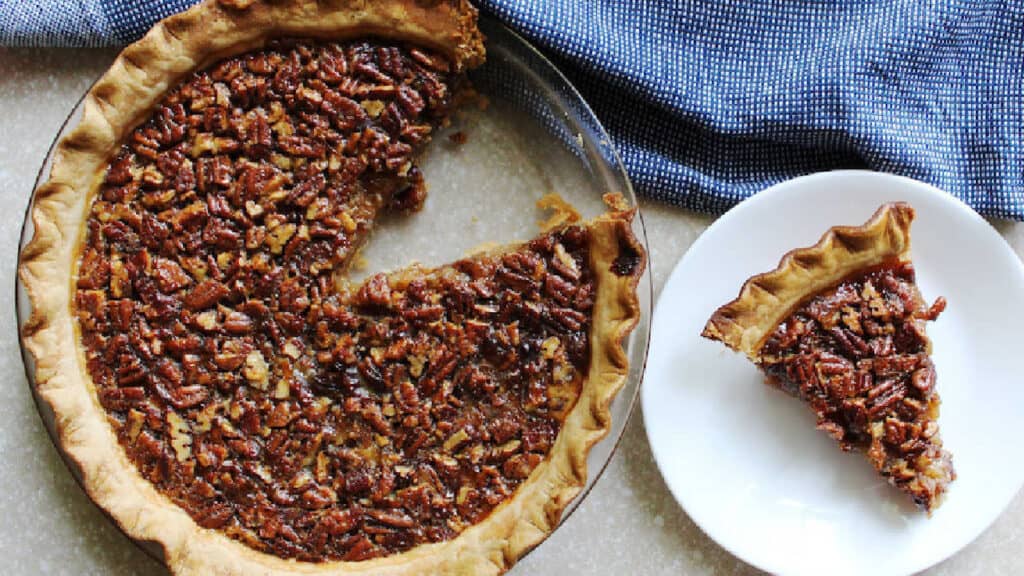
x: 767, y: 299
x: 880, y: 400
x: 119, y: 101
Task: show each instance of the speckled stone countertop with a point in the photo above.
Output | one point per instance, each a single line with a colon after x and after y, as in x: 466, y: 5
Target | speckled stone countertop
x: 629, y: 524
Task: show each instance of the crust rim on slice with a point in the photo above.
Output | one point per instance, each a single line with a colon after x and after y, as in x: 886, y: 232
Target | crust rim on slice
x: 766, y: 299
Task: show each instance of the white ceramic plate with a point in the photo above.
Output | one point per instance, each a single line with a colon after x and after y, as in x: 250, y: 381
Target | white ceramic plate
x: 745, y: 461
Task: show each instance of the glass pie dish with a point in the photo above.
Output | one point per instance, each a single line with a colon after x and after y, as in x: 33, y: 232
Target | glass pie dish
x: 528, y: 136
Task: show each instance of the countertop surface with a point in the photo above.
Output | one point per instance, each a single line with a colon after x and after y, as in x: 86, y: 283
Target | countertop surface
x: 629, y: 524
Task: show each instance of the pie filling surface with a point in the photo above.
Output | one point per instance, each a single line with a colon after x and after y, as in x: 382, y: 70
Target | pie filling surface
x: 266, y: 397
x: 859, y: 355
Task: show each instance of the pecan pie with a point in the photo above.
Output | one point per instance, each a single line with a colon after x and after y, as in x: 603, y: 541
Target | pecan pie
x: 841, y: 325
x: 225, y: 390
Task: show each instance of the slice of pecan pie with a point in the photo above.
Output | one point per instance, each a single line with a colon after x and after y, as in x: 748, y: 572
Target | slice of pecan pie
x: 223, y: 388
x: 841, y: 325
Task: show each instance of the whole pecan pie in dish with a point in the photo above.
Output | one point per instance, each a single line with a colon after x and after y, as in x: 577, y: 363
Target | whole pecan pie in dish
x: 841, y: 325
x: 225, y: 390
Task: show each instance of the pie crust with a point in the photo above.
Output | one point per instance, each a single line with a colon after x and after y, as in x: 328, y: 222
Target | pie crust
x: 767, y: 299
x: 121, y: 100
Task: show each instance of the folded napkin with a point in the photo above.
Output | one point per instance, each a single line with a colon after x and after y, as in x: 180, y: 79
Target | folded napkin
x: 709, y: 102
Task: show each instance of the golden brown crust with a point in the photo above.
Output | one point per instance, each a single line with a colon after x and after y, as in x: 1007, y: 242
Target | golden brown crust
x: 122, y: 99
x: 766, y: 299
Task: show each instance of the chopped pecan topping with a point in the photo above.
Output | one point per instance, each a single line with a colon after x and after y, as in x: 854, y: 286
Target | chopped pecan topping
x: 859, y: 355
x: 304, y: 421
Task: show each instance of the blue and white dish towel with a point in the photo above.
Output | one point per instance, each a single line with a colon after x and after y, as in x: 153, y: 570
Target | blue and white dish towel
x: 709, y: 102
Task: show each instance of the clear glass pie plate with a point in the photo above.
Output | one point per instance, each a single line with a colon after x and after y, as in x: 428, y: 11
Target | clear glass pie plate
x: 532, y: 135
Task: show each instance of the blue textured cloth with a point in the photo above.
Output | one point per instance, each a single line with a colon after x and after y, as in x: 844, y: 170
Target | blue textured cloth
x: 709, y: 102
